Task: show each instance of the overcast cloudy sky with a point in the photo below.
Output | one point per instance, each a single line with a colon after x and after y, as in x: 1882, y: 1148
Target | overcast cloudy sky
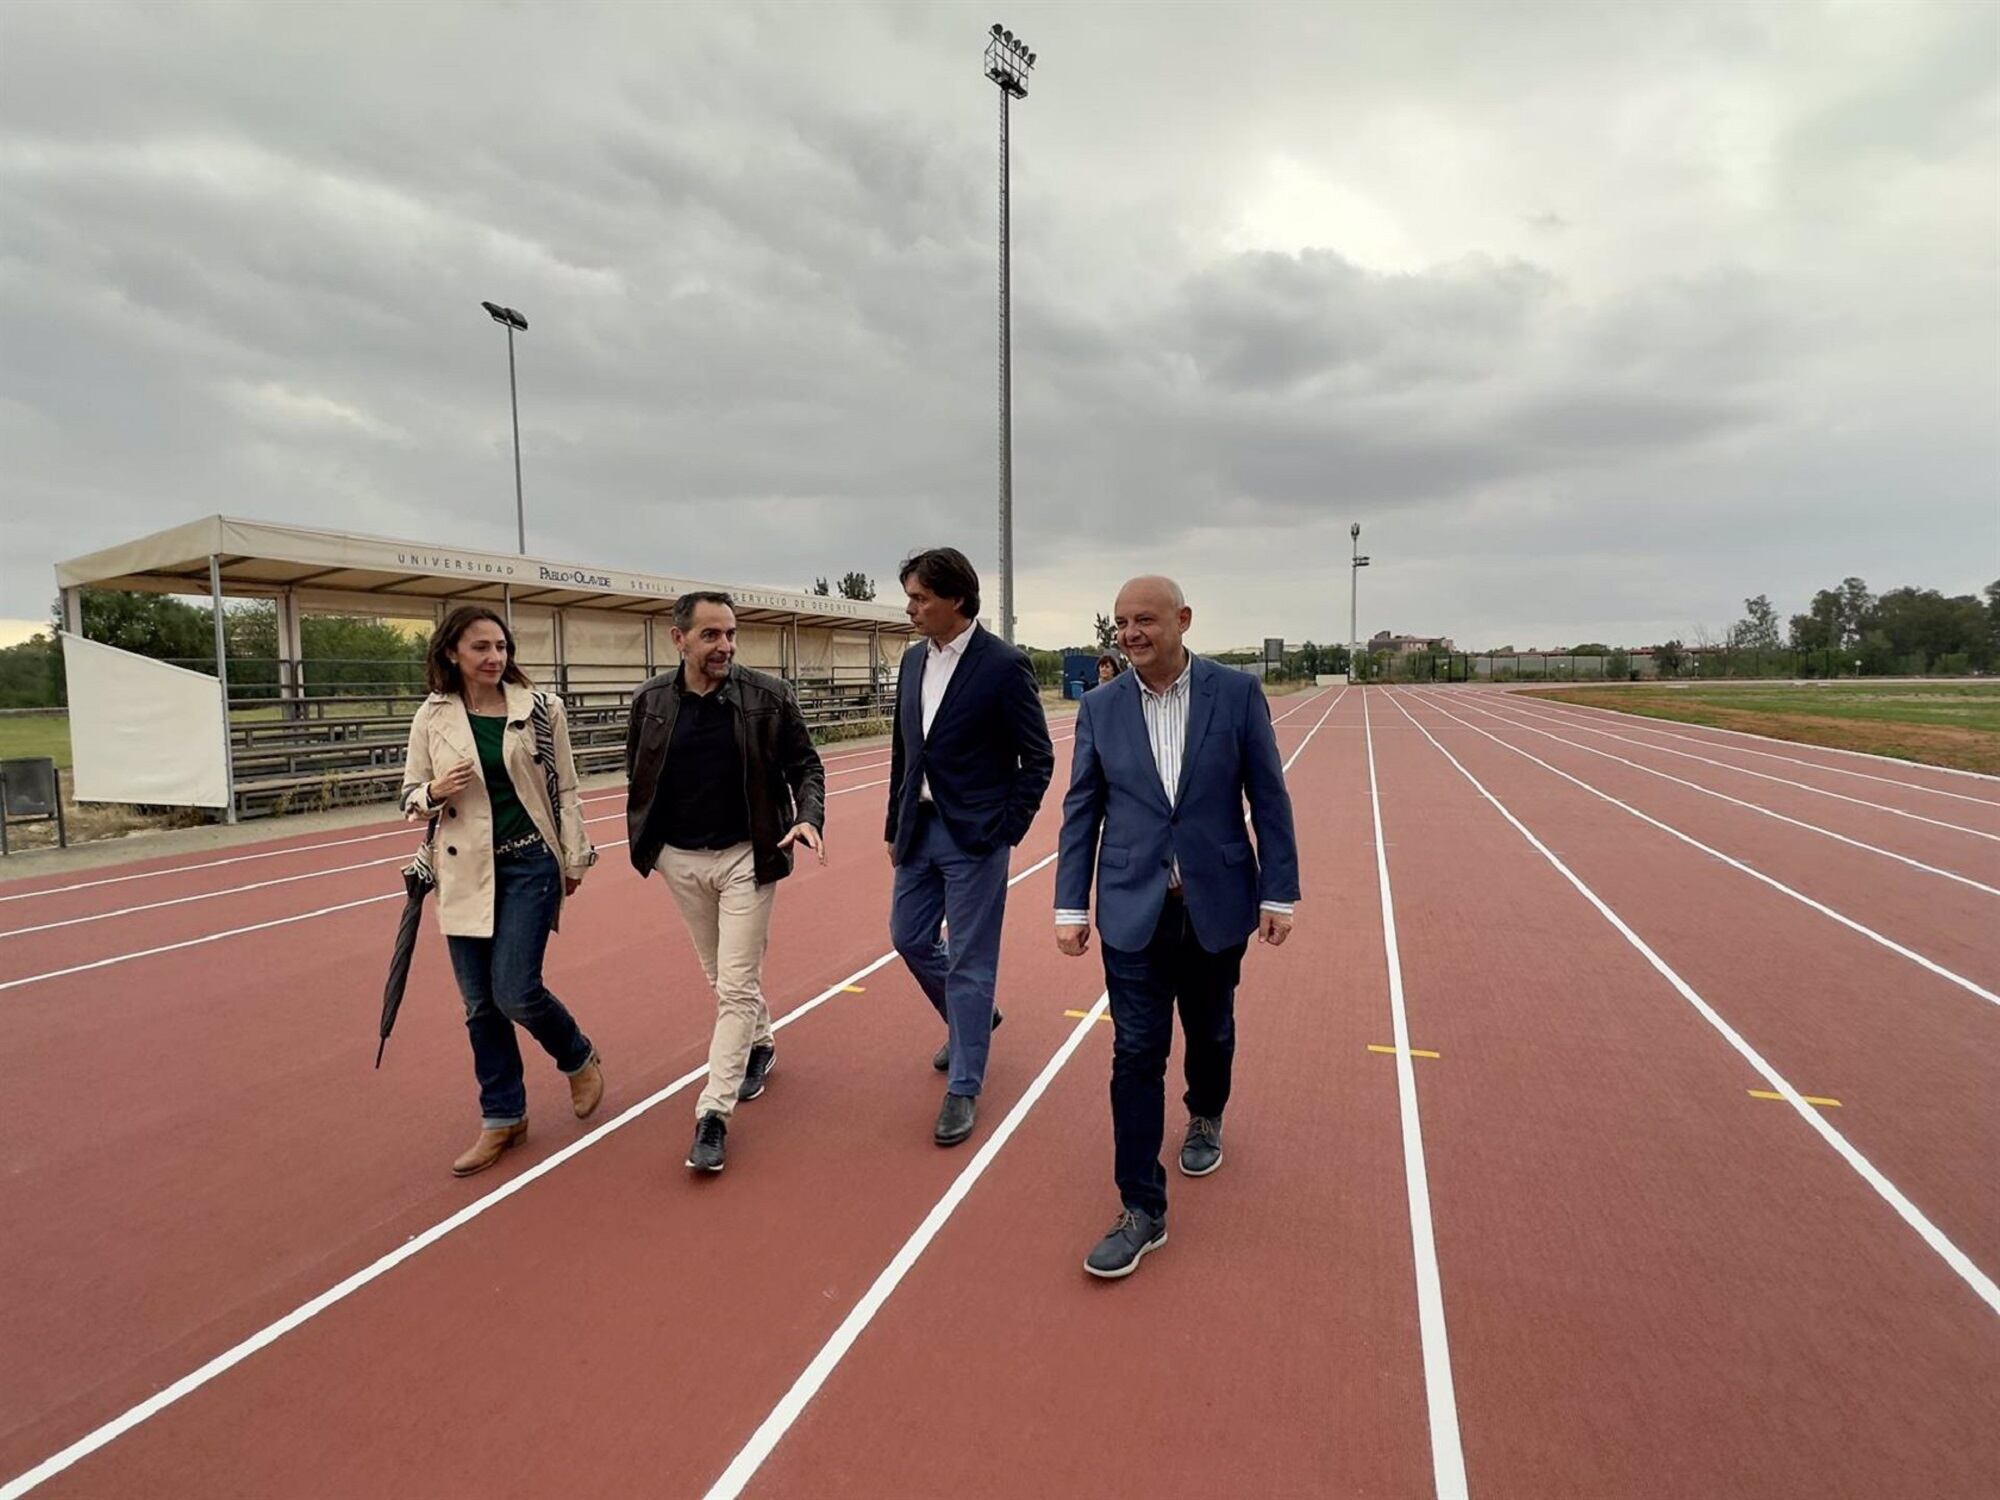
x: 1597, y: 316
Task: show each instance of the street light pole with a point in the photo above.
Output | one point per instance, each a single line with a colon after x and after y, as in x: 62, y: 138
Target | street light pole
x: 507, y: 318
x: 1008, y: 62
x: 1353, y: 601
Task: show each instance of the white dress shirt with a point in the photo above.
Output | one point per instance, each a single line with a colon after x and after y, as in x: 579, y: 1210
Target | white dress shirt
x: 940, y: 662
x: 1166, y: 716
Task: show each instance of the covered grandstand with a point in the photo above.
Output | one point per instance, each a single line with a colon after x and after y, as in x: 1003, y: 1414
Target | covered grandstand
x: 593, y: 633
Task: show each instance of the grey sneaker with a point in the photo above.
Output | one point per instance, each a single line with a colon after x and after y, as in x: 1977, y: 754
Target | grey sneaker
x: 1201, y: 1152
x: 1133, y: 1237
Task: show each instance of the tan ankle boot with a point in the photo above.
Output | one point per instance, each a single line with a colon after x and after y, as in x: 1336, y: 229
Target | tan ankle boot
x: 586, y: 1087
x: 491, y: 1145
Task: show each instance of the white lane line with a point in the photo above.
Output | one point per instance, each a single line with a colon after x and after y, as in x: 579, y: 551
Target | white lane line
x: 774, y: 1427
x: 234, y: 890
x: 597, y: 798
x: 216, y: 937
x: 1642, y: 722
x: 1585, y: 726
x: 323, y: 911
x: 401, y: 829
x: 1736, y: 864
x: 195, y: 1379
x: 271, y: 1333
x: 771, y: 1431
x: 1708, y: 791
x: 257, y: 885
x: 1960, y: 1263
x: 1447, y: 1453
x: 213, y: 937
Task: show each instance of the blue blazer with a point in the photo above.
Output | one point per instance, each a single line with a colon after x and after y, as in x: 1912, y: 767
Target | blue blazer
x: 1117, y: 816
x: 988, y: 754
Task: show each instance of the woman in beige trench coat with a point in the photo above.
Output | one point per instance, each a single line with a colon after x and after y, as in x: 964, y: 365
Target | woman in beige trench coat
x: 490, y: 759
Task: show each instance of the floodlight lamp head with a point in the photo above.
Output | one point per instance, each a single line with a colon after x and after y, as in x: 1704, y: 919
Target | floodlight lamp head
x: 996, y: 28
x: 1355, y: 529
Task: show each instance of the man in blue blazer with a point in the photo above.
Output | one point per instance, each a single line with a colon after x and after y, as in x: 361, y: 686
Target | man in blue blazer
x: 1166, y: 755
x: 970, y: 764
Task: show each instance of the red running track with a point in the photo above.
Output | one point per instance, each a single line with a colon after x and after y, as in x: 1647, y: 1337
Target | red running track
x: 1648, y: 1282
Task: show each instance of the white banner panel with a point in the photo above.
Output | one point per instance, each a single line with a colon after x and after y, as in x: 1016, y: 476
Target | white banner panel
x: 535, y: 640
x: 760, y: 646
x: 602, y: 649
x: 143, y: 731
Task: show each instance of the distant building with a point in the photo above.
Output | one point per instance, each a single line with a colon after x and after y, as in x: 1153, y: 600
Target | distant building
x: 1407, y: 645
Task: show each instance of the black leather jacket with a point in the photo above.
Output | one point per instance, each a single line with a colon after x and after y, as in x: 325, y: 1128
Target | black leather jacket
x: 783, y: 781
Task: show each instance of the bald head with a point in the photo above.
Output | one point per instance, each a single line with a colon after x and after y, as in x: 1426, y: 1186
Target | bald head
x: 1151, y: 616
x: 1157, y: 587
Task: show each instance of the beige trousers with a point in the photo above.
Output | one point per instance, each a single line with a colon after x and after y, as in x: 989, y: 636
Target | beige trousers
x: 729, y: 917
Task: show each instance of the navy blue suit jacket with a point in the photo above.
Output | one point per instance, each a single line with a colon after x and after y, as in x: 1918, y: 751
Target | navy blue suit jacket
x: 988, y: 754
x: 1117, y: 816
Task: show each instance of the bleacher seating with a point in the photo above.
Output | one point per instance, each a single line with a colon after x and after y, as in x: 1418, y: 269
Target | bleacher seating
x: 344, y: 751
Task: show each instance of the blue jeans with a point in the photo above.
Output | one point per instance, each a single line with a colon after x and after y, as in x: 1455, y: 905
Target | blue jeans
x: 1146, y: 985
x: 940, y: 883
x: 500, y: 980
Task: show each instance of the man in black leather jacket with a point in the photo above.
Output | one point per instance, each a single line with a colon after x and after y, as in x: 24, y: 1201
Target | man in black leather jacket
x: 723, y: 783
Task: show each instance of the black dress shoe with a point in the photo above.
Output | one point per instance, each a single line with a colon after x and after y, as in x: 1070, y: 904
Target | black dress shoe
x: 706, y: 1154
x: 941, y: 1059
x: 1201, y: 1152
x: 763, y: 1058
x: 954, y: 1122
x: 1134, y: 1236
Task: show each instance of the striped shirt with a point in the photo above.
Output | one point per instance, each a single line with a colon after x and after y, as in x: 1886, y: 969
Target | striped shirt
x: 1166, y: 726
x: 1166, y: 729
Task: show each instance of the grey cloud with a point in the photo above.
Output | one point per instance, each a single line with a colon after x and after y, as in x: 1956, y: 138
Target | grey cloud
x: 244, y: 247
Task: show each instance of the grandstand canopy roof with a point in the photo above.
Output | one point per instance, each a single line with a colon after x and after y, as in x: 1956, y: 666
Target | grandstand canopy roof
x: 260, y: 559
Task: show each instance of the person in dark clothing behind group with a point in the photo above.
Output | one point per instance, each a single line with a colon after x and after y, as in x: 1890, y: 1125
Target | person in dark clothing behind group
x: 724, y: 781
x: 969, y: 766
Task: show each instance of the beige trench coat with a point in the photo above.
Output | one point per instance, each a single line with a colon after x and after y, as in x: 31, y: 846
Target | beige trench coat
x: 462, y: 855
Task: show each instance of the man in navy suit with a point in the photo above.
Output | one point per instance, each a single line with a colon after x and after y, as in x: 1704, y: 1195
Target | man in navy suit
x: 1166, y: 755
x: 970, y: 765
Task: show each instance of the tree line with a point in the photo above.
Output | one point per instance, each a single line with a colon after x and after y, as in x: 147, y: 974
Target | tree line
x: 1847, y: 629
x: 347, y: 654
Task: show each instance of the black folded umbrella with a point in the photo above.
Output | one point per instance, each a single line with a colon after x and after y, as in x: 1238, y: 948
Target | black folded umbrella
x: 418, y: 882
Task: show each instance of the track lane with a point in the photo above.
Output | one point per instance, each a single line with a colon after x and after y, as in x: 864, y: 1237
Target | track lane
x: 1283, y: 1303
x: 1658, y: 1286
x: 1912, y: 1059
x: 121, y: 1083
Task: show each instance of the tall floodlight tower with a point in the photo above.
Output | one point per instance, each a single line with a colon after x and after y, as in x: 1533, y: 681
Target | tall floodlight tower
x: 1008, y: 63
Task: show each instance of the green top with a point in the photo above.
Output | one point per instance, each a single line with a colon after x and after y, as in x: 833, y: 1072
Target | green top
x: 510, y: 818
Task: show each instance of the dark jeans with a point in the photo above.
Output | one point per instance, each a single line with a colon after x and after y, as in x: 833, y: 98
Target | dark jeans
x: 500, y: 979
x: 940, y: 883
x: 1145, y: 986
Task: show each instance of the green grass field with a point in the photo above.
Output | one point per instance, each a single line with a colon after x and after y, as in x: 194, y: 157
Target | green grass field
x: 1943, y: 723
x: 35, y: 734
